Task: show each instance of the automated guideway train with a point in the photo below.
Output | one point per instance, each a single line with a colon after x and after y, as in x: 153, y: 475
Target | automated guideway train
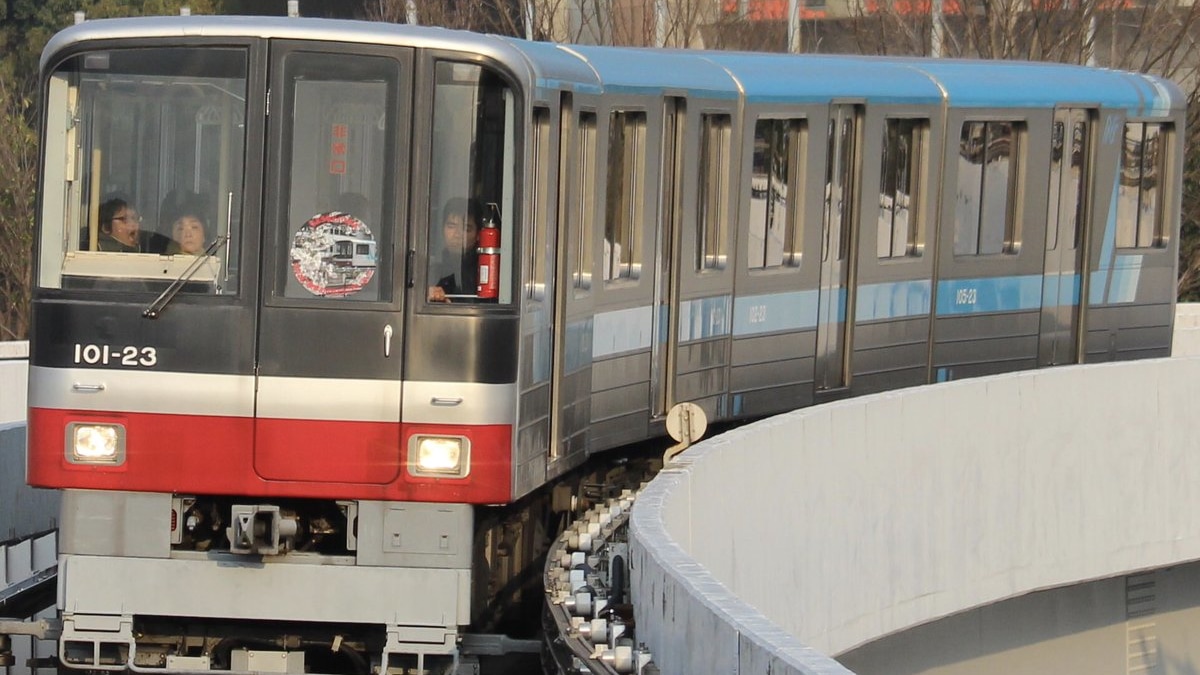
x: 442, y: 270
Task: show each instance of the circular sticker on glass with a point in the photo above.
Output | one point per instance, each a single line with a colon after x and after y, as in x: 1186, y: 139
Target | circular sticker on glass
x: 333, y: 254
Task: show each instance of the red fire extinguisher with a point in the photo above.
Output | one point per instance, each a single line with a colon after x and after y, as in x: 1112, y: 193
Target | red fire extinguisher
x: 489, y: 255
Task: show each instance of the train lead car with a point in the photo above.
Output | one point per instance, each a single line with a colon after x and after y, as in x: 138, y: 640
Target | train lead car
x: 441, y: 270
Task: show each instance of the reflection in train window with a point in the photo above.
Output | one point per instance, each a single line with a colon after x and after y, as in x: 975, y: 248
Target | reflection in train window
x: 136, y: 139
x: 779, y: 145
x: 1065, y: 206
x: 625, y: 195
x: 985, y: 218
x: 1139, y: 201
x: 712, y: 220
x: 902, y: 169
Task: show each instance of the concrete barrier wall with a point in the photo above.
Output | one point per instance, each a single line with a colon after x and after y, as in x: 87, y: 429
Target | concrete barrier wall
x: 1186, y: 338
x: 817, y: 531
x: 14, y: 372
x: 24, y: 511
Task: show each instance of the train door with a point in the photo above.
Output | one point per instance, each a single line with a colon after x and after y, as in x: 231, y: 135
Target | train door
x: 537, y: 313
x: 329, y: 337
x: 837, y: 248
x: 571, y: 385
x: 665, y: 331
x: 1066, y: 236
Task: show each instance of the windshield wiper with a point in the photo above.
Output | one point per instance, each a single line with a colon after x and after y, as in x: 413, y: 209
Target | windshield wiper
x: 160, y: 303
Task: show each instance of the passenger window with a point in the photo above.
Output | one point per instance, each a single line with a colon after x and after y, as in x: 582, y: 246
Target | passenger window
x: 1139, y: 195
x: 470, y: 238
x: 901, y: 172
x: 779, y: 145
x: 713, y: 221
x: 583, y: 201
x: 623, y: 212
x: 342, y: 123
x: 540, y: 218
x: 985, y: 218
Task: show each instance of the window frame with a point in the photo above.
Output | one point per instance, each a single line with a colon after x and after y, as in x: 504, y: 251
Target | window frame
x: 630, y: 192
x: 795, y: 130
x: 918, y: 178
x: 1010, y: 240
x: 512, y: 260
x: 713, y: 168
x: 1156, y: 230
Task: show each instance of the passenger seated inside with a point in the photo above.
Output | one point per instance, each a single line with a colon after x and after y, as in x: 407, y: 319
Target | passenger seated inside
x: 454, y: 269
x: 190, y: 234
x: 121, y: 230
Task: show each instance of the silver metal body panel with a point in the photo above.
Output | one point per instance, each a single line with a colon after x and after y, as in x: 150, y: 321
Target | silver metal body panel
x: 146, y: 391
x: 259, y: 590
x: 150, y: 391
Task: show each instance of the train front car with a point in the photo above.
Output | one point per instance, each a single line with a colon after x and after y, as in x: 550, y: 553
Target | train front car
x: 269, y: 460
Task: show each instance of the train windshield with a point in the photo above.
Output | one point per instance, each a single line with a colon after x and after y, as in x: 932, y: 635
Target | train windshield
x: 142, y: 179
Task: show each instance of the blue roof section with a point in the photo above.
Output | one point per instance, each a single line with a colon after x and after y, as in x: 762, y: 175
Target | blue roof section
x: 646, y: 71
x: 974, y: 84
x: 808, y: 78
x: 811, y: 78
x: 1160, y: 96
x: 556, y: 68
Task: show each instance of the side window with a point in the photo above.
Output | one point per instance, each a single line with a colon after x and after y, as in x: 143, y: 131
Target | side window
x: 779, y: 145
x: 985, y: 219
x: 340, y: 165
x: 1139, y: 196
x: 901, y: 172
x: 540, y: 218
x: 841, y: 172
x: 471, y: 205
x: 713, y: 221
x: 623, y: 212
x: 583, y: 201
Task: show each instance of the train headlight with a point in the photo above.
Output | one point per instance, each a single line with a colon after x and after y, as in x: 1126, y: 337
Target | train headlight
x: 95, y: 443
x: 439, y: 456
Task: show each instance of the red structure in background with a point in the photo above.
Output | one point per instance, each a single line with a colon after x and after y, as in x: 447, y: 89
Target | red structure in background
x: 770, y: 10
x: 776, y: 10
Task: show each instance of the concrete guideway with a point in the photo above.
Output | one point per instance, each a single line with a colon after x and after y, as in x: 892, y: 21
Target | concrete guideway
x: 777, y: 545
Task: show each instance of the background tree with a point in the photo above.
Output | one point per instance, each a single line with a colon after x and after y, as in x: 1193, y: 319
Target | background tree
x: 18, y: 169
x: 25, y: 27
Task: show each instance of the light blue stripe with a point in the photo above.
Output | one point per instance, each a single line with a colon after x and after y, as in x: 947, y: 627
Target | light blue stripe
x: 773, y: 313
x: 893, y: 300
x: 704, y: 318
x: 1061, y: 290
x: 624, y: 330
x: 839, y: 310
x: 989, y: 294
x: 1126, y: 272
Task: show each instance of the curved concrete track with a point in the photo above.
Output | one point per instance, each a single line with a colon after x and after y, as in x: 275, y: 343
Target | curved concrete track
x: 772, y: 547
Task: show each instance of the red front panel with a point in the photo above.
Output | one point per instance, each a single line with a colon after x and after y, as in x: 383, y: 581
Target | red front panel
x: 334, y: 451
x: 197, y: 454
